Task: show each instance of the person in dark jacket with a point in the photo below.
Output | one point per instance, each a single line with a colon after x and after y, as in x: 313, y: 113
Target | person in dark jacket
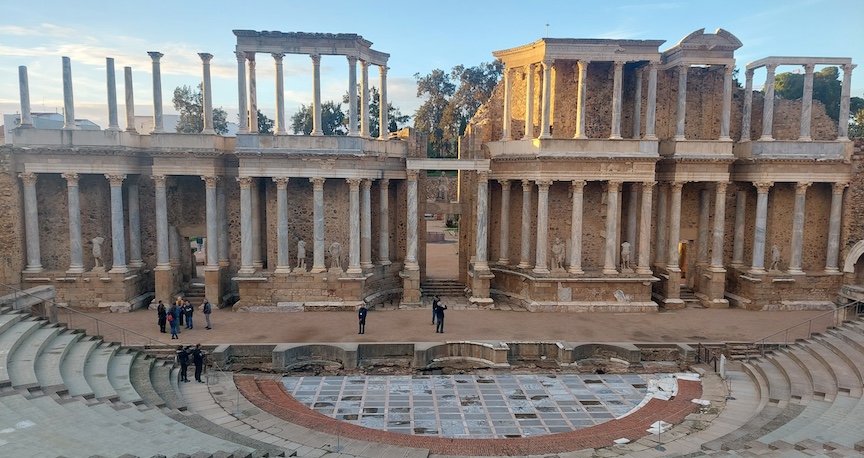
x: 435, y: 301
x: 162, y: 314
x: 179, y: 304
x: 188, y: 310
x: 198, y: 360
x: 361, y: 314
x: 183, y: 360
x: 440, y: 317
x: 173, y: 319
x: 207, y: 309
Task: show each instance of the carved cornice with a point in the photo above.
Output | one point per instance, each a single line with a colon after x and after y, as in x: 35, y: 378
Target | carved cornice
x: 115, y: 180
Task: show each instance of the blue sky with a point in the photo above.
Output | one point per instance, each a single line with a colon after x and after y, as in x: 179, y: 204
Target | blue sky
x: 419, y: 36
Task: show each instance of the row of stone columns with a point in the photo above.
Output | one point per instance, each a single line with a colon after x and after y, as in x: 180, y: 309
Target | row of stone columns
x: 248, y: 91
x: 806, y: 103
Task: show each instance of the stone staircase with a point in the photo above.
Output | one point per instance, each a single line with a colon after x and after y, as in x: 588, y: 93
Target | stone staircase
x: 194, y: 292
x: 63, y: 393
x: 443, y: 288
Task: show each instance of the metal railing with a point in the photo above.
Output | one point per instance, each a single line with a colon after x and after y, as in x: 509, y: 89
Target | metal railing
x: 707, y: 356
x: 806, y: 329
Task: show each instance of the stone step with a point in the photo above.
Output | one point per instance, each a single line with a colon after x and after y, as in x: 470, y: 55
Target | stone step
x: 836, y: 414
x: 801, y: 389
x: 96, y: 371
x: 824, y: 384
x: 779, y: 391
x: 848, y: 381
x: 161, y: 379
x: 22, y: 363
x: 8, y: 318
x: 119, y: 370
x: 72, y: 367
x: 811, y: 412
x: 853, y: 357
x: 850, y: 336
x: 10, y: 340
x: 49, y: 362
x: 140, y: 378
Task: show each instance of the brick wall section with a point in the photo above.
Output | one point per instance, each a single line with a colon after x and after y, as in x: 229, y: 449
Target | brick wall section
x: 12, y: 256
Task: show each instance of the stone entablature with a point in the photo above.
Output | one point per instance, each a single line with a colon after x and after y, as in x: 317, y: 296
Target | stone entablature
x: 337, y: 44
x: 592, y: 49
x: 700, y: 48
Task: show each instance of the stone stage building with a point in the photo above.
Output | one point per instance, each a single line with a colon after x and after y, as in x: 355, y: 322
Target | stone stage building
x: 635, y: 181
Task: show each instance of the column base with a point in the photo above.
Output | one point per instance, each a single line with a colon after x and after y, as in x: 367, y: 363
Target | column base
x: 540, y: 270
x: 649, y: 137
x: 757, y: 271
x: 76, y: 270
x: 805, y: 139
x: 643, y: 270
x: 258, y: 264
x: 33, y: 269
x: 246, y: 270
x: 766, y: 138
x: 224, y: 263
x: 832, y: 271
x: 575, y: 271
x: 366, y: 265
x: 137, y: 264
x: 282, y: 270
x: 796, y: 272
x: 412, y: 265
x: 607, y: 271
x: 385, y: 262
x: 725, y: 138
x: 523, y: 265
x: 317, y: 269
x: 354, y: 271
x: 503, y: 261
x: 615, y: 137
x: 680, y: 138
x: 118, y: 270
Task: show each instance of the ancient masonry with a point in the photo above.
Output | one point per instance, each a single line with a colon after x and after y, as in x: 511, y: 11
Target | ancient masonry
x: 603, y: 175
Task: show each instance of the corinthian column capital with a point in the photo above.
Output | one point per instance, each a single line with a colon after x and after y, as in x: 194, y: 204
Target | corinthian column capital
x: 317, y: 183
x: 281, y: 182
x: 115, y: 180
x: 245, y: 182
x: 71, y: 178
x: 763, y: 187
x: 210, y: 181
x: 28, y: 177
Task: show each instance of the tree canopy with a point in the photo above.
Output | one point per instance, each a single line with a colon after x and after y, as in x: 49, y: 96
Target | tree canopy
x: 190, y: 104
x: 334, y: 121
x: 826, y: 89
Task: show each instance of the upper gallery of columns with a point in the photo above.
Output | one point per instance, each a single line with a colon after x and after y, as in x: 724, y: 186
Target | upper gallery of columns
x: 325, y: 44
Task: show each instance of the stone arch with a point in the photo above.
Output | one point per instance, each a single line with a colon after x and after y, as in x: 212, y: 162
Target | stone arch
x: 851, y: 258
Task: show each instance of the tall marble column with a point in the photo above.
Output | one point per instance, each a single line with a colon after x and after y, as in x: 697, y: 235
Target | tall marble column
x: 280, y: 93
x: 481, y: 258
x: 580, y: 98
x: 525, y: 252
x: 257, y: 257
x: 575, y: 267
x: 163, y: 261
x: 740, y: 222
x: 644, y: 262
x: 283, y: 264
x: 768, y: 108
x: 674, y: 224
x: 316, y: 95
x: 130, y: 100
x: 76, y: 251
x: 609, y: 261
x: 318, y: 224
x: 212, y: 223
x: 616, y: 100
x: 354, y: 226
x: 541, y: 263
x: 546, y: 116
x: 637, y: 105
x: 845, y: 92
x: 118, y: 239
x: 662, y: 205
x: 719, y: 225
x: 632, y: 204
x: 747, y: 114
x: 383, y: 121
x: 364, y: 99
x: 504, y: 240
x: 384, y: 222
x: 157, y: 92
x: 798, y: 228
x: 31, y: 223
x: 681, y: 111
x: 352, y: 97
x: 24, y: 94
x: 207, y: 94
x: 704, y: 220
x: 222, y: 209
x: 831, y: 265
x: 758, y: 266
x: 246, y: 265
x: 132, y: 197
x: 726, y: 113
x: 529, y: 101
x: 243, y: 127
x: 174, y: 243
x: 651, y: 109
x: 806, y: 104
x: 111, y: 82
x: 411, y: 252
x: 366, y: 224
x: 505, y: 130
x: 68, y: 102
x: 253, y: 93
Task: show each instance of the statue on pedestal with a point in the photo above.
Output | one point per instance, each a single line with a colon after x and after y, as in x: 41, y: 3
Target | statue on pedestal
x: 625, y: 256
x: 97, y: 252
x: 301, y: 254
x: 443, y: 187
x: 558, y: 250
x: 336, y: 255
x: 775, y: 258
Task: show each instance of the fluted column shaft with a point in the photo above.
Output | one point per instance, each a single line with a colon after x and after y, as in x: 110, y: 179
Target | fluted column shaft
x: 616, y: 100
x: 833, y: 254
x: 704, y: 219
x: 546, y: 119
x: 212, y: 222
x: 632, y: 205
x: 246, y: 265
x: 609, y: 264
x: 806, y: 104
x: 637, y: 106
x: 762, y: 189
x: 257, y: 259
x: 411, y: 236
x: 280, y: 94
x: 845, y: 92
x: 726, y: 112
x: 662, y: 205
x: 529, y: 101
x: 576, y: 227
x: 130, y: 100
x: 798, y: 228
x: 31, y: 222
x: 674, y: 224
x: 24, y: 94
x: 222, y: 209
x: 316, y: 95
x: 253, y: 93
x: 366, y: 224
x: 352, y: 97
x: 481, y: 260
x: 243, y: 127
x: 354, y: 226
x: 111, y: 82
x: 318, y: 224
x: 747, y: 114
x: 384, y: 222
x: 364, y: 99
x: 681, y: 111
x: 132, y: 197
x: 525, y: 252
x: 383, y: 122
x: 541, y: 264
x: 768, y: 108
x: 651, y: 109
x: 157, y: 91
x: 68, y: 100
x: 740, y: 222
x: 644, y: 262
x: 207, y: 95
x: 504, y: 239
x: 163, y: 260
x: 283, y: 264
x: 76, y: 251
x: 719, y: 225
x: 580, y: 98
x: 118, y: 239
x: 505, y: 130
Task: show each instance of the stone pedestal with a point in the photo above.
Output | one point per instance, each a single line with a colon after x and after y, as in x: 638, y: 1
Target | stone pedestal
x: 410, y: 288
x: 671, y: 289
x: 213, y: 285
x: 164, y: 283
x: 480, y: 284
x: 715, y: 288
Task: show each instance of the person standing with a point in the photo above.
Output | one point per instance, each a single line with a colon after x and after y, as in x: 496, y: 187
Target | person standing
x: 440, y: 318
x: 188, y: 310
x: 435, y: 304
x: 361, y: 314
x: 198, y: 360
x: 207, y: 309
x: 179, y: 304
x: 173, y: 320
x: 162, y: 315
x: 183, y: 360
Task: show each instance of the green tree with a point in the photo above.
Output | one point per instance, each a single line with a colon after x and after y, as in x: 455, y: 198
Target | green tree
x: 856, y: 127
x: 265, y: 124
x: 395, y: 118
x: 332, y: 119
x: 826, y: 88
x: 190, y: 104
x: 437, y: 88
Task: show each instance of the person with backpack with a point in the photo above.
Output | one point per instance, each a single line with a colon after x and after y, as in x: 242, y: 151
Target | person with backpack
x: 207, y: 309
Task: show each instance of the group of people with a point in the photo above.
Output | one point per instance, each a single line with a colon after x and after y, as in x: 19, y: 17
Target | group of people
x: 183, y: 357
x: 437, y: 315
x: 179, y: 311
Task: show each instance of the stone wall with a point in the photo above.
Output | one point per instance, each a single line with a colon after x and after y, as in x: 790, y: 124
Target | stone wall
x: 12, y: 256
x: 853, y: 208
